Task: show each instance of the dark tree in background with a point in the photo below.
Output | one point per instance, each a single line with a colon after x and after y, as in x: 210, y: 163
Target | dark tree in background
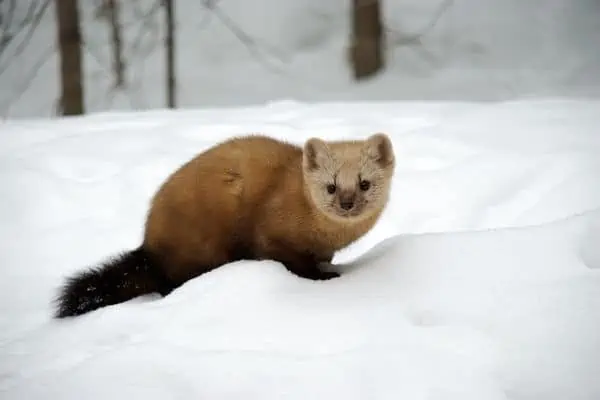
x: 170, y: 52
x: 365, y: 51
x: 112, y: 7
x: 366, y: 42
x: 69, y: 42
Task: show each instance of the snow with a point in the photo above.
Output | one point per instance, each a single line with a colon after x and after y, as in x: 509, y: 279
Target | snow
x: 480, y: 281
x: 243, y: 53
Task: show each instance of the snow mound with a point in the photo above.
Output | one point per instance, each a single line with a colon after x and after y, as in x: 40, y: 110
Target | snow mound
x: 480, y: 281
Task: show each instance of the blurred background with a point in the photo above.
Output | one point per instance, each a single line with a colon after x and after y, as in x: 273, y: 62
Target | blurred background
x: 68, y: 57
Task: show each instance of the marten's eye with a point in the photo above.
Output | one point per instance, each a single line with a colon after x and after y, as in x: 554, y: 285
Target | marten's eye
x: 364, y: 185
x: 331, y: 188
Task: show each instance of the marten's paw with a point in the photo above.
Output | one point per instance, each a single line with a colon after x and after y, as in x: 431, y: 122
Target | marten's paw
x: 326, y: 275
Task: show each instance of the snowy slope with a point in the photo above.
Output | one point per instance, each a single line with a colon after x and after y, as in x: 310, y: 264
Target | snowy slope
x: 436, y: 49
x: 480, y: 282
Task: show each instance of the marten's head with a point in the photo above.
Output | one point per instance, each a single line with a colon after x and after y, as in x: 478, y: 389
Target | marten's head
x: 349, y: 179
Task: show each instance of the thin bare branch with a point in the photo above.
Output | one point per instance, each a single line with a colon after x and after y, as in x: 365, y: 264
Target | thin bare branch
x: 92, y: 52
x: 147, y: 25
x: 253, y: 46
x: 8, y: 34
x: 404, y: 39
x: 35, y: 19
x: 7, y: 23
x: 107, y: 73
x: 31, y: 75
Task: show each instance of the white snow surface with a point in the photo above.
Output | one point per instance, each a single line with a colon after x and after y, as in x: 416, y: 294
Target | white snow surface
x: 480, y: 282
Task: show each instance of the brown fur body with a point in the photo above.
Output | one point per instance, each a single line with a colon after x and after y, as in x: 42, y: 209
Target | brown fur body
x: 259, y: 198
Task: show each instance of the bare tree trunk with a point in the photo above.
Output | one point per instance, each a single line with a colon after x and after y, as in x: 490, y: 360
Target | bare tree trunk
x: 69, y: 40
x: 170, y: 52
x: 366, y: 48
x: 117, y: 43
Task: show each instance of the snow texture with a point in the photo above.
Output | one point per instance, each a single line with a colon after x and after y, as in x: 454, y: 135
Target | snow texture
x: 480, y: 282
x: 244, y: 52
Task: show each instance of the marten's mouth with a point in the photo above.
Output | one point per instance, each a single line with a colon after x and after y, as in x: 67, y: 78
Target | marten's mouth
x: 354, y: 212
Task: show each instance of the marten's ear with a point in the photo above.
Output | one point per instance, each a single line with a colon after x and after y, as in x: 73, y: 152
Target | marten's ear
x: 379, y: 148
x: 315, y: 154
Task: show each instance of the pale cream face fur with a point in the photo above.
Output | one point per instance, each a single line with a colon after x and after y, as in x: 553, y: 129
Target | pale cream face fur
x: 349, y: 180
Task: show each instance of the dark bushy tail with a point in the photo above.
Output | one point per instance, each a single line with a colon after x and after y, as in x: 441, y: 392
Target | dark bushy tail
x: 119, y: 279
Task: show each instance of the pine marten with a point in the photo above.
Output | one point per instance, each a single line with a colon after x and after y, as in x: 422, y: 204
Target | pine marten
x: 248, y: 198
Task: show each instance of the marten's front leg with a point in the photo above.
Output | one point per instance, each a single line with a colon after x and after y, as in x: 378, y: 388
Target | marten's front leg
x: 302, y: 264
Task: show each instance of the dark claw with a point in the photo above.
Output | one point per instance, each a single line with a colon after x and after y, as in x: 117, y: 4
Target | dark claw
x: 326, y: 275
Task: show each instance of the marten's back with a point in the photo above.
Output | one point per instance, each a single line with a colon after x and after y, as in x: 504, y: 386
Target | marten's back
x: 203, y: 213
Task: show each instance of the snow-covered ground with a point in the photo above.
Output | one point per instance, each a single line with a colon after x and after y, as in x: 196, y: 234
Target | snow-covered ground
x: 480, y: 282
x: 248, y: 52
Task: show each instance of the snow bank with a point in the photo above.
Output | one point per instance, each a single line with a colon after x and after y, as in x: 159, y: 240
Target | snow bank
x: 480, y: 282
x: 436, y: 50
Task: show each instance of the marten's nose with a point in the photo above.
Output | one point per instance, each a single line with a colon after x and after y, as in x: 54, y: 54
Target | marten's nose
x: 346, y: 201
x: 346, y: 205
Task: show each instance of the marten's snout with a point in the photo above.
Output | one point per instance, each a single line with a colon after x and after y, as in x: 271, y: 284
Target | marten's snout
x: 347, y: 200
